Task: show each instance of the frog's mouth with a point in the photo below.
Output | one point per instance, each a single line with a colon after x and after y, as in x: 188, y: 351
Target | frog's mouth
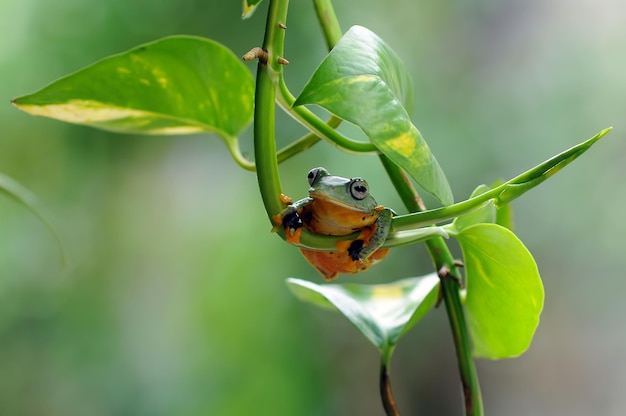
x: 320, y: 196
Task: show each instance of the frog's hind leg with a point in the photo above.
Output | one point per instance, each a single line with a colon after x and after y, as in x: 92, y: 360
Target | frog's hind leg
x: 326, y: 263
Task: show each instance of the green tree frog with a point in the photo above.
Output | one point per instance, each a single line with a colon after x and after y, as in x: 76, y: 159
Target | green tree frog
x: 338, y: 206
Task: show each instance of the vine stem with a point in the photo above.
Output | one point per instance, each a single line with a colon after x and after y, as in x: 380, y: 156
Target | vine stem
x: 450, y: 287
x: 332, y: 34
x: 268, y: 71
x: 325, y: 130
x: 269, y: 74
x: 389, y: 403
x: 328, y: 21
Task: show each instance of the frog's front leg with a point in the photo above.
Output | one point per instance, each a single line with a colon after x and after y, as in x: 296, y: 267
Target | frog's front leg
x: 291, y: 220
x: 360, y: 251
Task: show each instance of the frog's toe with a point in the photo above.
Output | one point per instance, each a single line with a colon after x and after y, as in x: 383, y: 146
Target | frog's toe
x: 354, y: 251
x: 292, y: 220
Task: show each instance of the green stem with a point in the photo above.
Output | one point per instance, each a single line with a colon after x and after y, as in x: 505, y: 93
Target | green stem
x: 328, y: 21
x: 450, y: 292
x: 389, y: 404
x: 332, y: 35
x: 450, y: 278
x: 315, y: 124
x: 265, y: 145
x: 264, y: 109
x: 292, y: 149
x: 304, y: 142
x: 235, y: 152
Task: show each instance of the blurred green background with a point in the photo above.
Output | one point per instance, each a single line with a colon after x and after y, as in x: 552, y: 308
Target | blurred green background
x: 175, y: 302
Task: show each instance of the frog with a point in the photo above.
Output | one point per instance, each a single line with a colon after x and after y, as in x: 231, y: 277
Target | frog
x: 338, y: 206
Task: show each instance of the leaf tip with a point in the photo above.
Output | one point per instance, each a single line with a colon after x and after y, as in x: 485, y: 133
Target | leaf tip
x: 16, y: 101
x: 292, y: 281
x: 249, y: 7
x: 599, y: 135
x: 605, y: 131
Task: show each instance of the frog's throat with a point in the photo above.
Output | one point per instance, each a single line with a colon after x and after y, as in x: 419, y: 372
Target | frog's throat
x: 324, y: 197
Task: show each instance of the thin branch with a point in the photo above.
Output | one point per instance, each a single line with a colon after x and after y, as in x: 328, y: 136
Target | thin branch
x: 450, y: 278
x: 389, y: 403
x: 264, y: 109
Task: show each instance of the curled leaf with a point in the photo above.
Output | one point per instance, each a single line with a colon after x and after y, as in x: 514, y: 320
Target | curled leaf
x: 383, y: 313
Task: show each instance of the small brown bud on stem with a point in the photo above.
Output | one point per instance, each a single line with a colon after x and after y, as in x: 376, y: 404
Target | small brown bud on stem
x: 256, y: 53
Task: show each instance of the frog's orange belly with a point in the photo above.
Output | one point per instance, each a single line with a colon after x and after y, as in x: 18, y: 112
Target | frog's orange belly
x: 331, y: 263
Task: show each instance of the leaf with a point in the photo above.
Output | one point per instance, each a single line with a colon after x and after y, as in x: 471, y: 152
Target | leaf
x: 176, y: 85
x: 383, y: 313
x: 535, y: 176
x: 363, y: 81
x: 504, y: 291
x: 249, y: 6
x: 500, y: 195
x: 16, y: 191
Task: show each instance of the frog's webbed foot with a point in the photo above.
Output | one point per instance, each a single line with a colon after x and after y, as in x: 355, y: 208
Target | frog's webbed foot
x: 376, y: 238
x: 292, y: 220
x: 355, y: 249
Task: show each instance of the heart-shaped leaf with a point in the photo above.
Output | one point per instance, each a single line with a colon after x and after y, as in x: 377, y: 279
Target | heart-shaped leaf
x: 383, y: 313
x: 363, y: 81
x: 176, y: 85
x: 504, y: 291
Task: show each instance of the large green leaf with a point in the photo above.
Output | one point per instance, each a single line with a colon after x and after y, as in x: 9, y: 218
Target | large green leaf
x: 175, y: 85
x: 504, y: 291
x: 363, y: 81
x: 383, y: 313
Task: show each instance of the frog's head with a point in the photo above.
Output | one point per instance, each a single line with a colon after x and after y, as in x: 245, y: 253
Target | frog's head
x: 352, y: 193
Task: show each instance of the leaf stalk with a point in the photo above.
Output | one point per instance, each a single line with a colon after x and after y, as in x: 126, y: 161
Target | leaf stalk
x: 389, y: 404
x: 450, y: 288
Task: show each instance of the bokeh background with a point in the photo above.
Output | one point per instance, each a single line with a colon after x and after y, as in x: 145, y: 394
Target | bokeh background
x: 174, y: 302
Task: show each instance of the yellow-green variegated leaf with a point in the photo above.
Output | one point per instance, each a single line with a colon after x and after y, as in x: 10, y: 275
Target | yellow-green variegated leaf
x: 363, y: 81
x: 176, y: 85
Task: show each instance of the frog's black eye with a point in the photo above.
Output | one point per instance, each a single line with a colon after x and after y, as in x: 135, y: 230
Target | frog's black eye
x: 315, y: 174
x: 358, y: 188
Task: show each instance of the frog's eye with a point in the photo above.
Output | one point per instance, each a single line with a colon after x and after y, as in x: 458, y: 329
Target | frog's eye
x: 315, y: 174
x: 358, y: 188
